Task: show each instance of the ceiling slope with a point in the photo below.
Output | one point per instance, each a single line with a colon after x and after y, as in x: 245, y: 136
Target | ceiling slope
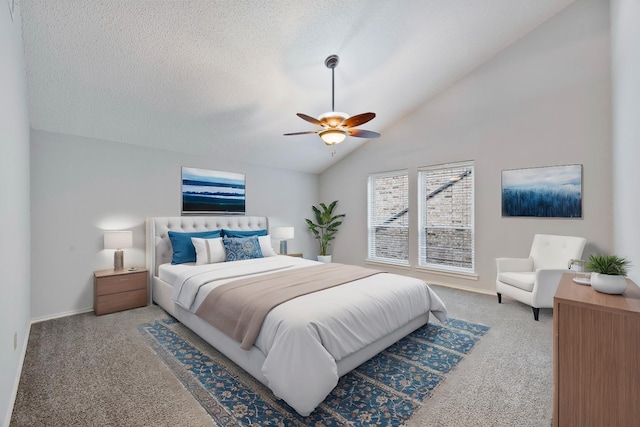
x: 225, y: 79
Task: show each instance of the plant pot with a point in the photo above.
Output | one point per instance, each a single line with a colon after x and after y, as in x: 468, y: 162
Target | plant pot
x: 608, y: 284
x: 324, y: 258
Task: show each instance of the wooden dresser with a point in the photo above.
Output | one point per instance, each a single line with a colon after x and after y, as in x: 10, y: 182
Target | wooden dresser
x: 596, y: 356
x: 117, y: 290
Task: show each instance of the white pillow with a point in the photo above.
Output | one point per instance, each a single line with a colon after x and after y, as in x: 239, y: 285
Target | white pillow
x: 209, y: 251
x: 265, y: 246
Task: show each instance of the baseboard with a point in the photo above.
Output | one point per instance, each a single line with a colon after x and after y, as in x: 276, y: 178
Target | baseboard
x: 16, y: 382
x: 59, y: 315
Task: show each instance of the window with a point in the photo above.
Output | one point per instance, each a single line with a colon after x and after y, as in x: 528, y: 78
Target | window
x: 445, y: 217
x: 388, y: 217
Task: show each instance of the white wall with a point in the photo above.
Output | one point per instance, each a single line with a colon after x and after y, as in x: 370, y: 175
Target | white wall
x: 14, y: 208
x: 543, y: 101
x: 81, y: 186
x: 625, y: 34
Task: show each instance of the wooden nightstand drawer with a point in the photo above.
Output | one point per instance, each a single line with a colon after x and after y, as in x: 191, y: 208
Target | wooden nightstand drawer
x: 117, y: 290
x: 121, y: 283
x: 122, y: 301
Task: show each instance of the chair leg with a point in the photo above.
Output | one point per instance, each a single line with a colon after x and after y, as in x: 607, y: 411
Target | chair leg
x: 536, y: 312
x: 499, y: 298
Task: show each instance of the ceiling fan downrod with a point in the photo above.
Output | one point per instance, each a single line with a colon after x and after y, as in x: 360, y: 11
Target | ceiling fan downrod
x: 332, y: 62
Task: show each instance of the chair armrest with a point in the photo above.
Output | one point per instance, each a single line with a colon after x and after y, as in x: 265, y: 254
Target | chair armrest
x: 546, y: 285
x: 514, y: 264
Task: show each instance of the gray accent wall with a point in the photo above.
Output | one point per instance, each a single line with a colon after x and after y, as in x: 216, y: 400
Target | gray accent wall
x: 543, y: 101
x: 625, y: 34
x: 83, y: 186
x: 14, y: 208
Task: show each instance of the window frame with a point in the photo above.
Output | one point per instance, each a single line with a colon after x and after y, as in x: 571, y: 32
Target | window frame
x: 423, y: 218
x: 371, y: 236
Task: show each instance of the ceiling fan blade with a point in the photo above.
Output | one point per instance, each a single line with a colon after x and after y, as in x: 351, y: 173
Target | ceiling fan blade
x: 358, y: 119
x: 310, y: 119
x: 363, y: 133
x: 303, y: 133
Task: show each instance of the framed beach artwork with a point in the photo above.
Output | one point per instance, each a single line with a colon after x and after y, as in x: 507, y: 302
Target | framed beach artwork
x: 547, y: 192
x: 216, y: 192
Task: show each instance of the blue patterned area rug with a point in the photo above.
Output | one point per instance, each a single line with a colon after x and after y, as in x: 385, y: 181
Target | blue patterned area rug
x: 384, y: 391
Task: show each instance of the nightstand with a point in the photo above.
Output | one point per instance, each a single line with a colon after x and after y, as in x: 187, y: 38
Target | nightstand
x: 294, y: 254
x: 117, y: 290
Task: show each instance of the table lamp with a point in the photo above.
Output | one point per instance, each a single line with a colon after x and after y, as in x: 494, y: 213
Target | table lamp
x: 283, y: 234
x: 118, y: 240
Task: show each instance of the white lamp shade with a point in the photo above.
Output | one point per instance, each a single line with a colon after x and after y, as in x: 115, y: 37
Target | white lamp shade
x: 282, y: 233
x: 118, y: 239
x: 333, y: 136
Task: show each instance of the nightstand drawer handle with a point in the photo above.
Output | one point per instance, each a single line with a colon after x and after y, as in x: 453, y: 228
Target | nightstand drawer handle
x: 124, y: 279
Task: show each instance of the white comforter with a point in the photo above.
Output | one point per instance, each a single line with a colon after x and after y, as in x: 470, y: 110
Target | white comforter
x: 303, y: 338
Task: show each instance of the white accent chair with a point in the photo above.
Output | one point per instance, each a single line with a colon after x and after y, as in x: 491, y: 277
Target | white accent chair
x: 534, y: 280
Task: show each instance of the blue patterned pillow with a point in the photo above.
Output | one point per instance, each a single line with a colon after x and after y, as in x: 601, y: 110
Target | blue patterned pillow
x: 239, y: 248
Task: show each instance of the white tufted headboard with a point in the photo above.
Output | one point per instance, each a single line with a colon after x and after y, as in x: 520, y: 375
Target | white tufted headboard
x: 158, y: 245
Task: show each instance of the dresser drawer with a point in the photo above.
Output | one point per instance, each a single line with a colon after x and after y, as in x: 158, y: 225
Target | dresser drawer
x: 120, y: 283
x: 106, y: 304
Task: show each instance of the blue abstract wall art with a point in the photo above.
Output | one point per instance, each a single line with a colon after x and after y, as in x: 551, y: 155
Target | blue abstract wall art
x: 549, y: 192
x: 205, y: 191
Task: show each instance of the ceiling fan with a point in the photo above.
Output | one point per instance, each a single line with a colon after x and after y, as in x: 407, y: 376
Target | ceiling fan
x: 335, y: 126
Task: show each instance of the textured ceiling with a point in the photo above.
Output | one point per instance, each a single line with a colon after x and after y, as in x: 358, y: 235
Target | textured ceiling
x: 224, y: 79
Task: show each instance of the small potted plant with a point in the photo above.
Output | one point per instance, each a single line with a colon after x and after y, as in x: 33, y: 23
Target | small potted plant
x: 325, y: 227
x: 608, y: 273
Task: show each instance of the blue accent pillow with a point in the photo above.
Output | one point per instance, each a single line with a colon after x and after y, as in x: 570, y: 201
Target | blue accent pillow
x: 239, y: 248
x: 183, y: 249
x: 243, y: 233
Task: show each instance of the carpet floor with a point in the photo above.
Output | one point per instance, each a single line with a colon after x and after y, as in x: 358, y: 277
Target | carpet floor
x: 100, y: 371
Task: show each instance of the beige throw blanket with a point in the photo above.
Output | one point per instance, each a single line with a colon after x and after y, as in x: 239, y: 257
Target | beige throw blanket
x: 238, y: 308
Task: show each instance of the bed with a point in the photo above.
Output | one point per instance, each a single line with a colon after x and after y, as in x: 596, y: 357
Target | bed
x: 306, y: 343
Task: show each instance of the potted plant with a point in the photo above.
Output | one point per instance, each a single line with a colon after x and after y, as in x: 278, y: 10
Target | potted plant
x: 325, y: 227
x: 608, y: 273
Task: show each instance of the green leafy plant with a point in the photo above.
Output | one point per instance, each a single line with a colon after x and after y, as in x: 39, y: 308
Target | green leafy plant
x: 608, y: 264
x: 326, y: 224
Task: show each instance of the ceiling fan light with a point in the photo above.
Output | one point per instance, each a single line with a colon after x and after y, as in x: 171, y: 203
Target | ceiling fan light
x: 333, y: 136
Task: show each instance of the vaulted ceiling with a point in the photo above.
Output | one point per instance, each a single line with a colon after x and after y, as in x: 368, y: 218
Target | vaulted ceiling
x: 224, y: 79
